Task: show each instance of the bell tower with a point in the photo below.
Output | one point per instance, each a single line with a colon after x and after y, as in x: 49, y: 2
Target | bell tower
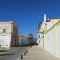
x: 44, y: 18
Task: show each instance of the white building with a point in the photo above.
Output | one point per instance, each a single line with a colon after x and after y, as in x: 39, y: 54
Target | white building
x: 23, y: 40
x: 49, y: 32
x: 8, y: 34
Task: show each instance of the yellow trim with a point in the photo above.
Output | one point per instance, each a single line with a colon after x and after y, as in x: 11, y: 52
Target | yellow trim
x: 55, y: 39
x: 45, y: 31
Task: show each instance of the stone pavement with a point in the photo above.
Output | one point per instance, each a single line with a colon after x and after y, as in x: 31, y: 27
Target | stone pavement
x: 37, y: 53
x: 12, y: 51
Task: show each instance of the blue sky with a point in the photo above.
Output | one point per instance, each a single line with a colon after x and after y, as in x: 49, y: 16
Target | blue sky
x: 28, y: 13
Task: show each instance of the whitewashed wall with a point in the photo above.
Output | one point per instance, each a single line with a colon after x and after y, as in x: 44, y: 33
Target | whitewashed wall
x: 42, y: 42
x: 52, y: 37
x: 58, y: 42
x: 5, y: 38
x: 49, y: 41
x: 38, y: 39
x: 8, y: 32
x: 5, y: 41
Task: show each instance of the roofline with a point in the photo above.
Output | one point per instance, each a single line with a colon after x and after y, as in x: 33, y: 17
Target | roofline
x: 23, y: 35
x: 54, y: 18
x: 7, y: 21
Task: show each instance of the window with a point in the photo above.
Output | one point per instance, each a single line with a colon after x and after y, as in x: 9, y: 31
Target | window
x: 4, y: 30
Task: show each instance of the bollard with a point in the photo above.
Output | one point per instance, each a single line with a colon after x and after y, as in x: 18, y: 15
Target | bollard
x: 21, y: 56
x: 25, y: 53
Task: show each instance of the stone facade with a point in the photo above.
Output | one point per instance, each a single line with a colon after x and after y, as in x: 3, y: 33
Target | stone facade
x: 8, y: 34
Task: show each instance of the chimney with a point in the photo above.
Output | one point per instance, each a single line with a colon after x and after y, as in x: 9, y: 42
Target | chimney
x: 44, y: 18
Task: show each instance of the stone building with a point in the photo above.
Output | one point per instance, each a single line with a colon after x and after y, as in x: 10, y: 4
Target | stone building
x: 8, y: 34
x: 23, y: 40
